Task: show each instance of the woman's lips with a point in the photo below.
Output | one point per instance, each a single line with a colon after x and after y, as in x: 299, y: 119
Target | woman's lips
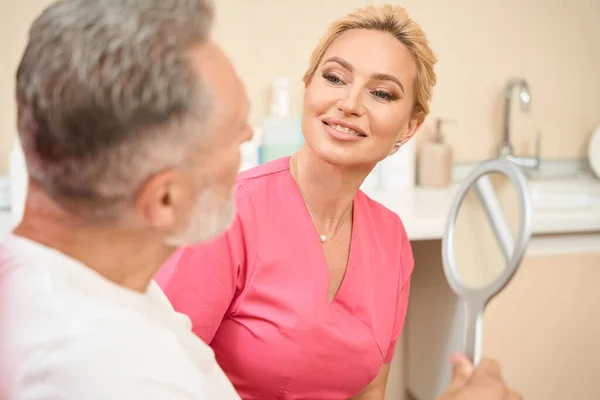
x: 342, y: 133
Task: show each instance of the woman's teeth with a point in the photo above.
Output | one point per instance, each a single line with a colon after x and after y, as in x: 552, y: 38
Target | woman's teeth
x: 344, y: 129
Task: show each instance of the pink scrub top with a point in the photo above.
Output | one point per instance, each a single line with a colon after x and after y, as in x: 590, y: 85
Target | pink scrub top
x: 258, y: 293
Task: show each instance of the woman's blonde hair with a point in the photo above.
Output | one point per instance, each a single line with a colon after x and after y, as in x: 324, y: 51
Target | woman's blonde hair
x: 395, y: 20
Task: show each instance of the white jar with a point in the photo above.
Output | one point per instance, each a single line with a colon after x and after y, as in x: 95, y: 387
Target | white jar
x: 18, y: 181
x: 399, y: 169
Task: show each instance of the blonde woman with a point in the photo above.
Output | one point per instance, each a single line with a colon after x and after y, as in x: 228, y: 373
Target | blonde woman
x: 305, y: 296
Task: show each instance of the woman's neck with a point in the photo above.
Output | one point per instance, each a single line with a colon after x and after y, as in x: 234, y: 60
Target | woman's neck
x: 328, y: 190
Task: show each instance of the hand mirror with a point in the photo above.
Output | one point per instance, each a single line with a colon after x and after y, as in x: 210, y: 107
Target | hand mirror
x: 487, y: 232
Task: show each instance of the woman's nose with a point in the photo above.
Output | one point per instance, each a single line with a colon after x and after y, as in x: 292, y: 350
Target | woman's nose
x: 351, y: 103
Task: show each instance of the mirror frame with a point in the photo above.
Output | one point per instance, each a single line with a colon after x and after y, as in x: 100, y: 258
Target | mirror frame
x: 481, y: 296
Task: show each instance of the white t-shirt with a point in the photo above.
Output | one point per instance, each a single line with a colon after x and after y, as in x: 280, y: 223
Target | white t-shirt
x: 69, y: 334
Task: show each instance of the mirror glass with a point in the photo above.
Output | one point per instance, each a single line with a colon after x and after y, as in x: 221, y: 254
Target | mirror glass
x: 486, y: 229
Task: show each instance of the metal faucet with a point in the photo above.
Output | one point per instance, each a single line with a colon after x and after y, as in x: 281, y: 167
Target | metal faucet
x: 506, y: 149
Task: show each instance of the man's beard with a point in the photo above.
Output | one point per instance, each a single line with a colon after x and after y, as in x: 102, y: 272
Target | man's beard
x: 211, y: 216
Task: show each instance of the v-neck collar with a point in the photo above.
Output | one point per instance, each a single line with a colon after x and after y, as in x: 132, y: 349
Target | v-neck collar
x: 338, y: 298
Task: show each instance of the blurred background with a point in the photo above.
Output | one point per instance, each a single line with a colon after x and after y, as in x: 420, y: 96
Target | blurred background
x: 553, y: 44
x: 544, y: 328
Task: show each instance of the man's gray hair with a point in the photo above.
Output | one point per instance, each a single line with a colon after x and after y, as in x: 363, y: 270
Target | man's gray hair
x: 104, y: 90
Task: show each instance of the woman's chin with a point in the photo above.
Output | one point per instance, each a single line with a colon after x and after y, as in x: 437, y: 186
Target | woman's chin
x: 340, y: 156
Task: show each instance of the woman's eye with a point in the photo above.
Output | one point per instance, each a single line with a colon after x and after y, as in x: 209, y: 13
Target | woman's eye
x: 332, y: 79
x: 383, y: 95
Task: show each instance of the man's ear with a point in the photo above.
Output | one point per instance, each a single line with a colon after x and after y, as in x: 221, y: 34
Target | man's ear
x: 159, y: 198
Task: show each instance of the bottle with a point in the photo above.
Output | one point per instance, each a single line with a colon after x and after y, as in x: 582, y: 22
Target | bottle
x: 250, y: 151
x: 281, y: 133
x: 18, y: 181
x: 435, y: 160
x: 398, y: 170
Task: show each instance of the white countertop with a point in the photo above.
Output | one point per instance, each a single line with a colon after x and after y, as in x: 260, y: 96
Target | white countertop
x: 423, y: 210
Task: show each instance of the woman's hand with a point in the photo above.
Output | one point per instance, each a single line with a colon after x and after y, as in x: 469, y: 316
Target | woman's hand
x: 482, y: 383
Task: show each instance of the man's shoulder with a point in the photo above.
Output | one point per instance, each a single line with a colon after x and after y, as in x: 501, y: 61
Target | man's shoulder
x: 119, y: 360
x: 13, y: 253
x: 70, y: 336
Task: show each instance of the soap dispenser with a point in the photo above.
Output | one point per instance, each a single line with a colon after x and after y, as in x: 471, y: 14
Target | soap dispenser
x: 281, y: 132
x: 435, y: 160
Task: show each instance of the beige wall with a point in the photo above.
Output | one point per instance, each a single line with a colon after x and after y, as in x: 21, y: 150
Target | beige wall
x: 481, y: 43
x: 15, y: 18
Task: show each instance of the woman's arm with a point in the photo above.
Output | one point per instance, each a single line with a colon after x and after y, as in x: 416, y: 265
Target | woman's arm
x: 376, y: 389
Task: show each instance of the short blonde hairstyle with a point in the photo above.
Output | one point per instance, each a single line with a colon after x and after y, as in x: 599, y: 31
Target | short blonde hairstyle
x: 396, y: 21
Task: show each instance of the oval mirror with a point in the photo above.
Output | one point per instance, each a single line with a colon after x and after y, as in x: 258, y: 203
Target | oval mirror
x: 486, y: 235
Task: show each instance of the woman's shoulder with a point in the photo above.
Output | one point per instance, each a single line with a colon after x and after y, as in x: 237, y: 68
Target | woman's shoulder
x: 388, y: 232
x: 264, y: 171
x: 382, y: 218
x: 261, y: 182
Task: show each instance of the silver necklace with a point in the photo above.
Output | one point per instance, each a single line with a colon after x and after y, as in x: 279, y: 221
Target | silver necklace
x: 322, y: 238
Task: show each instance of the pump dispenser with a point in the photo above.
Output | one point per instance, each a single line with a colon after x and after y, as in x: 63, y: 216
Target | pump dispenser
x: 281, y: 133
x: 435, y: 160
x: 280, y: 103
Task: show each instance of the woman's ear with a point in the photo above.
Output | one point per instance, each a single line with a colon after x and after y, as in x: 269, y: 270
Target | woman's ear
x: 411, y: 130
x: 396, y: 147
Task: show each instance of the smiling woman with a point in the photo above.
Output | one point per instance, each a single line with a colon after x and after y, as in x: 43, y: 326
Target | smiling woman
x: 366, y: 83
x: 305, y: 295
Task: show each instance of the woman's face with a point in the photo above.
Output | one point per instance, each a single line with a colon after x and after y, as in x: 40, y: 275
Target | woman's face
x: 359, y: 101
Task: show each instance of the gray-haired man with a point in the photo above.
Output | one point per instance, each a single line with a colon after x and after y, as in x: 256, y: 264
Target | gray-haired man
x: 130, y: 118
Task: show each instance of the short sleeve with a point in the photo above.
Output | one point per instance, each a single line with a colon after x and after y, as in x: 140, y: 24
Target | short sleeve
x: 202, y: 281
x: 407, y: 263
